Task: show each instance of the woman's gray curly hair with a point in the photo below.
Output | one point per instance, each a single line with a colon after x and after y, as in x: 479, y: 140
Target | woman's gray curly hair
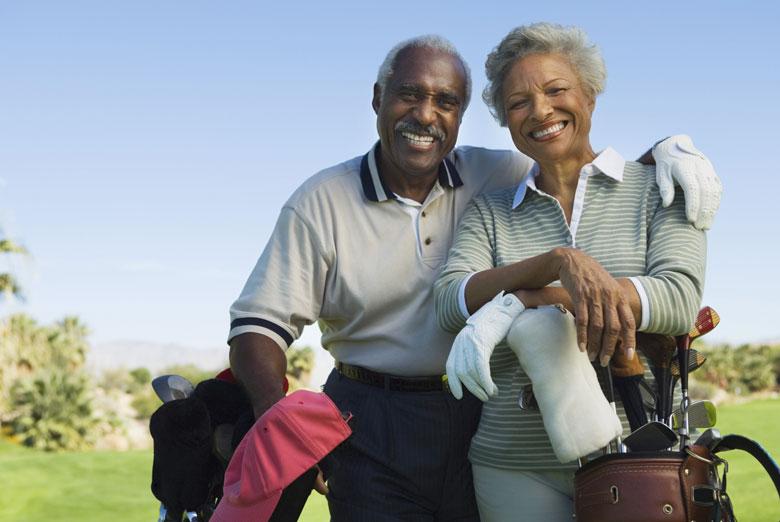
x: 542, y: 38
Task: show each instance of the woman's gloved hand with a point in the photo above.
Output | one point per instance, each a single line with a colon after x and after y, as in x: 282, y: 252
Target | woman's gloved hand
x: 469, y: 359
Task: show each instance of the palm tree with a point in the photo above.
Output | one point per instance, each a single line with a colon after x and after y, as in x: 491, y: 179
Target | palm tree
x: 9, y: 285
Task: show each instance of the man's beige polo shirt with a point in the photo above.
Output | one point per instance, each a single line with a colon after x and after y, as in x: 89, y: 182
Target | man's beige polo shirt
x: 348, y: 253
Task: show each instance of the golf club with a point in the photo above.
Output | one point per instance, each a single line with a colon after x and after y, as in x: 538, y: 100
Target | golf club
x: 172, y: 387
x: 659, y: 350
x: 709, y: 438
x: 653, y: 436
x: 706, y: 320
x: 701, y: 415
x: 683, y: 343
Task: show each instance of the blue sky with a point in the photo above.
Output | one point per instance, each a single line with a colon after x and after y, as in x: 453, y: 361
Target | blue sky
x: 147, y: 147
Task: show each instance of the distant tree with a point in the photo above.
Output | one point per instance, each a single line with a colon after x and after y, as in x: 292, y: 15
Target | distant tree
x: 9, y: 285
x: 300, y: 363
x: 192, y: 373
x: 53, y: 410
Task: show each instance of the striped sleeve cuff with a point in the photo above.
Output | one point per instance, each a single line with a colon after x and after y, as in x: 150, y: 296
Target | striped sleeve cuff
x: 278, y: 333
x: 462, y: 296
x: 644, y: 301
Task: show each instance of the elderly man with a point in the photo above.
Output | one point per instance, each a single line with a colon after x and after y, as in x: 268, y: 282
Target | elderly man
x: 357, y: 248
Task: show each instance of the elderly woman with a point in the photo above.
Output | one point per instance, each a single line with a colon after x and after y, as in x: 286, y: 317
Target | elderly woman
x: 592, y: 221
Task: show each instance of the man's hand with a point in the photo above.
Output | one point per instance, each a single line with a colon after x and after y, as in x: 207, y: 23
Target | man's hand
x: 469, y: 359
x: 602, y: 310
x: 677, y: 160
x: 320, y: 486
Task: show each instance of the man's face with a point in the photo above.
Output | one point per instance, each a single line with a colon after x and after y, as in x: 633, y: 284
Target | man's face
x: 419, y: 114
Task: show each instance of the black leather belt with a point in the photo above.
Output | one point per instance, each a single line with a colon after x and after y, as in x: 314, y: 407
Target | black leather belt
x: 391, y: 382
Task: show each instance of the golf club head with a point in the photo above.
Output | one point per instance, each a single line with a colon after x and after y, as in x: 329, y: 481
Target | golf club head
x: 701, y: 415
x: 695, y: 361
x: 706, y: 320
x: 653, y: 436
x: 709, y: 438
x: 172, y: 387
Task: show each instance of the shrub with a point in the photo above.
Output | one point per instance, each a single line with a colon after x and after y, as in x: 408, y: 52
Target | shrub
x: 53, y: 410
x: 741, y: 370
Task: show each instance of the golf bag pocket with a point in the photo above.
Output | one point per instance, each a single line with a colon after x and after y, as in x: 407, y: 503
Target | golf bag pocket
x: 667, y: 486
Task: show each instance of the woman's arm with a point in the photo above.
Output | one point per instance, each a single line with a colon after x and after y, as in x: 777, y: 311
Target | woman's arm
x: 604, y: 308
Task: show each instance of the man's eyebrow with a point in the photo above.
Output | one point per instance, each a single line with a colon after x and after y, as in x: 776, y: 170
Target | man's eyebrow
x: 410, y: 87
x: 449, y: 96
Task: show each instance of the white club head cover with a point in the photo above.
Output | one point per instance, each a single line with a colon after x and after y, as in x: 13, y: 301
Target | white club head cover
x: 469, y: 359
x: 678, y: 161
x: 576, y: 415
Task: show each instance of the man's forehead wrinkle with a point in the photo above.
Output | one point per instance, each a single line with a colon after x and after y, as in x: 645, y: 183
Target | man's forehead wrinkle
x: 416, y: 87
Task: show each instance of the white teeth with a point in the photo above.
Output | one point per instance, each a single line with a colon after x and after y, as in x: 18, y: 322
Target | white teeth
x: 549, y: 130
x: 416, y: 138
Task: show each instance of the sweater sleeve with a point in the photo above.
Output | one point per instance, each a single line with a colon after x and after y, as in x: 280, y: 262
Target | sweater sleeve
x: 676, y: 260
x: 472, y: 251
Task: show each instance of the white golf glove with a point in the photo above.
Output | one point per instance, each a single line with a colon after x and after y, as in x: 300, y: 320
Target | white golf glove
x: 677, y: 160
x: 577, y: 417
x: 469, y: 359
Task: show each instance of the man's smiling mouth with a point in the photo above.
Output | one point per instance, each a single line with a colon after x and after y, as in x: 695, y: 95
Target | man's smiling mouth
x: 418, y: 139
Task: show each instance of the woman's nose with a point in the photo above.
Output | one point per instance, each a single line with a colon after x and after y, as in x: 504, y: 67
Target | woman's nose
x: 542, y: 109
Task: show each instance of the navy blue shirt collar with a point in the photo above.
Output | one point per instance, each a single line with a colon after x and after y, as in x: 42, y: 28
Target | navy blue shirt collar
x: 375, y: 188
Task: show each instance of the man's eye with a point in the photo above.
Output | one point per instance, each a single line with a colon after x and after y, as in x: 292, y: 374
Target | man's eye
x: 448, y: 103
x: 408, y: 96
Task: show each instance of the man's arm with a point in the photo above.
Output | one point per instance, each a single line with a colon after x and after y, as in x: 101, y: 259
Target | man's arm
x: 259, y: 365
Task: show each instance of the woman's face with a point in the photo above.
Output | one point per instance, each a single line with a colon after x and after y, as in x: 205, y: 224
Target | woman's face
x: 548, y: 110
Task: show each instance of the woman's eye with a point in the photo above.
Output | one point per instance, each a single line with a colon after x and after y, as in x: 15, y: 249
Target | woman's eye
x: 518, y: 104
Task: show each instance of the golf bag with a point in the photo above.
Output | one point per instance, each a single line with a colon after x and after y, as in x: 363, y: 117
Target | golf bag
x: 194, y: 438
x: 665, y: 486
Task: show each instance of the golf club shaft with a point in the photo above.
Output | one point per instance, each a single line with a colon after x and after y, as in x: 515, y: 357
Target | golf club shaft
x: 683, y: 353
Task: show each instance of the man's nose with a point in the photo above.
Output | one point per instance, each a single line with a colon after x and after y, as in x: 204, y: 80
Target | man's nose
x: 425, y: 111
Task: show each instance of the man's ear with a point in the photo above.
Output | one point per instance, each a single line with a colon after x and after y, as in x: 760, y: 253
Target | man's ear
x: 376, y: 101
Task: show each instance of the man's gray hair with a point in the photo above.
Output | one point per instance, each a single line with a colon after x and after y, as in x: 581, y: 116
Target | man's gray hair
x: 428, y: 41
x: 542, y: 38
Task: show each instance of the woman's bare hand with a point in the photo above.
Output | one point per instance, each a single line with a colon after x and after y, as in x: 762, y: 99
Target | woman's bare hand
x: 602, y: 310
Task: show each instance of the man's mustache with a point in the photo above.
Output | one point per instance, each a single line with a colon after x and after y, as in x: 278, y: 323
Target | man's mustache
x: 416, y: 128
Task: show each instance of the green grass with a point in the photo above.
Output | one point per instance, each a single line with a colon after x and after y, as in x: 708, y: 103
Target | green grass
x: 65, y: 487
x: 99, y: 486
x: 750, y: 488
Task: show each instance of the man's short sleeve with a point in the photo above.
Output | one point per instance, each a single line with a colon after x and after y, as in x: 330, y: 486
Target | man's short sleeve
x: 284, y: 291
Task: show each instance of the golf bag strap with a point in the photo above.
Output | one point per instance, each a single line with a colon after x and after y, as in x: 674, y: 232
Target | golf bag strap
x: 731, y: 442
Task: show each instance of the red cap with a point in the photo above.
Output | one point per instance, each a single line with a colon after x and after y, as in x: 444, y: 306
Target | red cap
x: 286, y: 441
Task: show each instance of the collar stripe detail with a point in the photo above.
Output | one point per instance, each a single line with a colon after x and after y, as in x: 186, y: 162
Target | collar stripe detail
x: 256, y: 321
x: 448, y: 175
x: 375, y: 188
x: 376, y: 179
x: 367, y: 180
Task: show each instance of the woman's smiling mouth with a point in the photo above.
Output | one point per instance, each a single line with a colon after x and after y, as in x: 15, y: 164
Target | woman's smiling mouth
x: 549, y: 132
